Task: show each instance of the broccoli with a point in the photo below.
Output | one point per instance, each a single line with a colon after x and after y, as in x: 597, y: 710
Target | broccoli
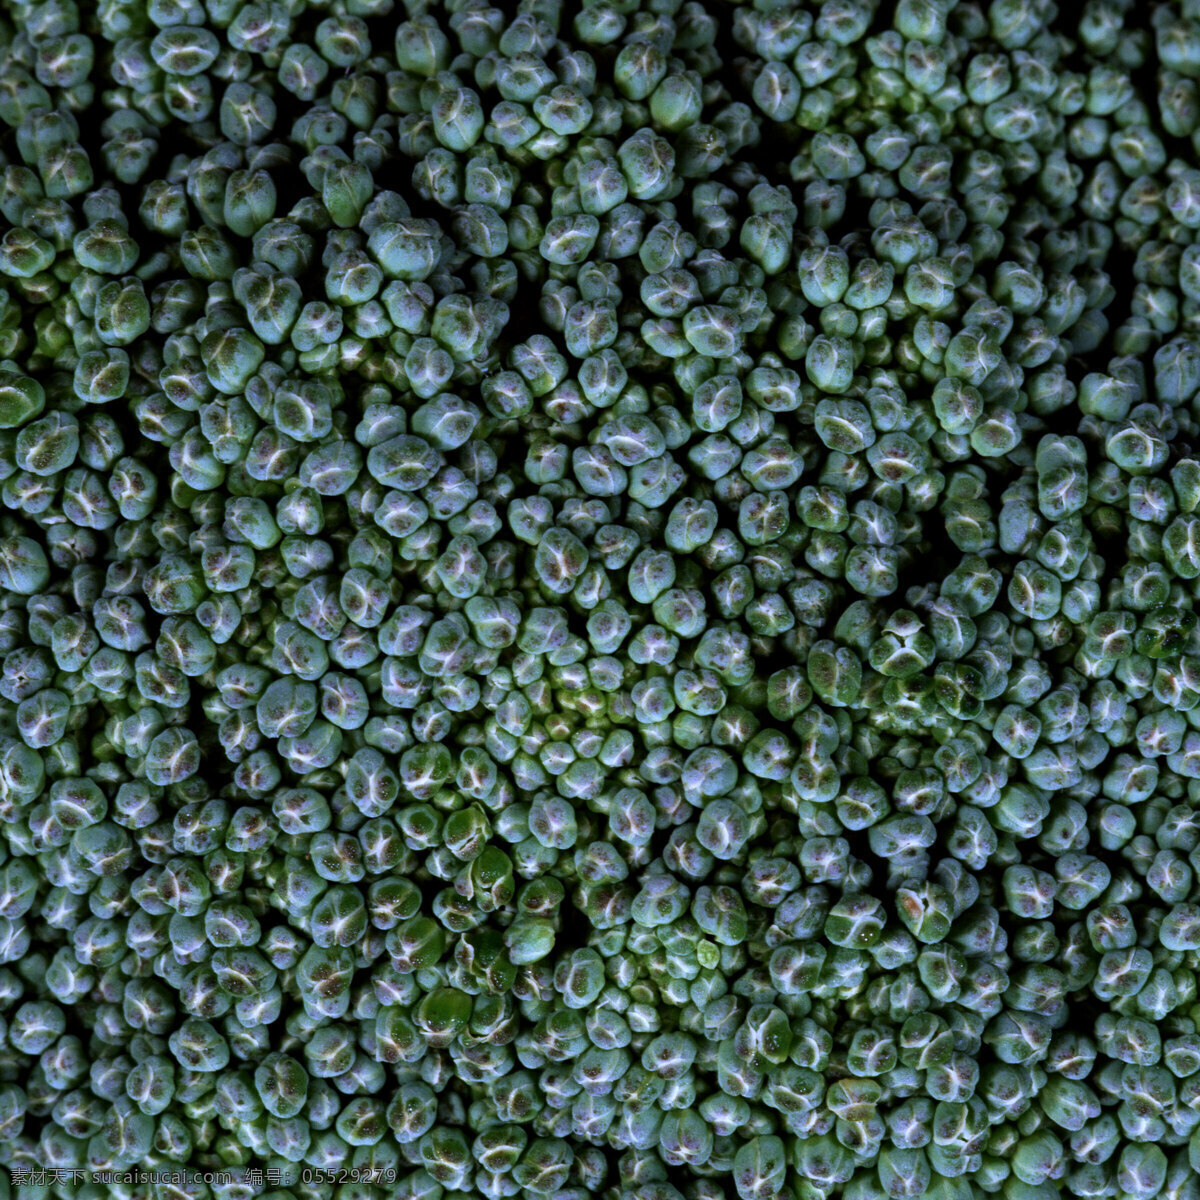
x: 599, y: 600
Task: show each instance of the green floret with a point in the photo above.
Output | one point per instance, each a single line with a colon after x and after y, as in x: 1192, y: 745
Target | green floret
x: 600, y: 600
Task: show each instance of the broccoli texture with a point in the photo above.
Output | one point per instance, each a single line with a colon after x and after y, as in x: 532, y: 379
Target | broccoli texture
x: 598, y: 599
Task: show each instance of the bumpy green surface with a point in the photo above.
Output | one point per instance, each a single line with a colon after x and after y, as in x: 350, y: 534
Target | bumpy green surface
x: 598, y: 600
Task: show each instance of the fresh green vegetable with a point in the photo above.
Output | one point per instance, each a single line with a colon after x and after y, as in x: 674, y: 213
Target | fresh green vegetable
x: 600, y: 599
